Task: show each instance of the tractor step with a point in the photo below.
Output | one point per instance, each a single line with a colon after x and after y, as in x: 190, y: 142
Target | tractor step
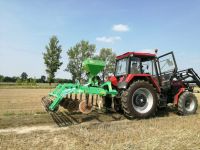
x: 162, y: 103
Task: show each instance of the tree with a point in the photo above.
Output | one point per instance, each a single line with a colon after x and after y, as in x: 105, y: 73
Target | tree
x: 24, y: 76
x: 52, y: 58
x: 42, y: 79
x: 31, y: 81
x: 77, y: 55
x: 107, y: 55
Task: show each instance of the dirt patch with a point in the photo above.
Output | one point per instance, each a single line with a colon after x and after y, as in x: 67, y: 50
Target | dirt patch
x: 29, y: 129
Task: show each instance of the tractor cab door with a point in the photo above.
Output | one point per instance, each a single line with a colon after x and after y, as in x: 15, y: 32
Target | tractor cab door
x: 167, y: 68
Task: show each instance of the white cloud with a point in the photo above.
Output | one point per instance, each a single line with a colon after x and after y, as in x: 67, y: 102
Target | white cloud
x: 120, y: 28
x: 105, y: 39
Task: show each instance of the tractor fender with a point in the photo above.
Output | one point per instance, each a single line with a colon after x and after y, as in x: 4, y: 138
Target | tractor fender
x: 131, y: 77
x: 113, y: 80
x: 176, y: 97
x: 122, y: 85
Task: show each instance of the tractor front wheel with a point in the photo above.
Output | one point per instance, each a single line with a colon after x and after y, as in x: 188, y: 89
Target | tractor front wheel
x: 140, y: 100
x: 187, y: 104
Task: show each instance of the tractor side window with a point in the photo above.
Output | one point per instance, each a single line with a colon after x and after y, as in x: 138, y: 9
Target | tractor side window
x: 167, y: 67
x: 121, y: 67
x: 167, y: 64
x: 148, y: 67
x: 135, y: 65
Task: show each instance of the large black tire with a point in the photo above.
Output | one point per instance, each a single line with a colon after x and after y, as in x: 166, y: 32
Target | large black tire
x: 140, y: 100
x: 187, y: 104
x: 118, y: 105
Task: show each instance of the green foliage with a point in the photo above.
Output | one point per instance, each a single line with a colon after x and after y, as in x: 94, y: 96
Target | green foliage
x: 52, y: 58
x: 9, y: 113
x: 29, y: 81
x: 107, y: 55
x: 1, y: 78
x: 19, y: 81
x: 77, y: 55
x: 59, y: 80
x: 24, y: 76
x: 42, y: 79
x: 8, y: 79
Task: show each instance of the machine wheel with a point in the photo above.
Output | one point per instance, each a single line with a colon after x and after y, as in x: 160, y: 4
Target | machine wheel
x: 187, y: 104
x: 140, y: 100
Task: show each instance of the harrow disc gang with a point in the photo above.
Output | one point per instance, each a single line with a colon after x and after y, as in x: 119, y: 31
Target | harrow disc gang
x: 46, y: 102
x: 76, y: 102
x: 82, y: 102
x: 85, y: 108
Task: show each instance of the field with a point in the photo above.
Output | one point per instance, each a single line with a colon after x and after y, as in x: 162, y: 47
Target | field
x: 12, y: 85
x: 25, y: 125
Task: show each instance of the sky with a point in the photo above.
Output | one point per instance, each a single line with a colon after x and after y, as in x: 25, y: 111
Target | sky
x: 123, y: 25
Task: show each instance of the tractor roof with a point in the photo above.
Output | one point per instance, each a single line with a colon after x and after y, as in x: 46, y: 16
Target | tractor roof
x: 137, y: 54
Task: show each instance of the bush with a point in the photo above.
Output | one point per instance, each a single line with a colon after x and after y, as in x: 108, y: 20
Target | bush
x: 19, y: 81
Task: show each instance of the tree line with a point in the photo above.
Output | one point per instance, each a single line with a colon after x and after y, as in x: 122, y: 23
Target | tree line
x: 76, y: 55
x: 25, y: 79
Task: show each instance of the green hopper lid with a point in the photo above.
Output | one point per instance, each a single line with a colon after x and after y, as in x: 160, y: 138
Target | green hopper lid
x: 93, y: 66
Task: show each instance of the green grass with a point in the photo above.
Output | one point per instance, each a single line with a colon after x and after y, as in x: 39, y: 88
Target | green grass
x: 11, y: 119
x: 9, y: 85
x: 8, y: 114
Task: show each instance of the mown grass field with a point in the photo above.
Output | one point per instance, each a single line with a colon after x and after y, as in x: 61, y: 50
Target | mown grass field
x: 12, y: 85
x: 25, y: 125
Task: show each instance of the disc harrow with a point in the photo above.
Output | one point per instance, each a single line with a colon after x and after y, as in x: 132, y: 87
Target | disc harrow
x: 77, y: 97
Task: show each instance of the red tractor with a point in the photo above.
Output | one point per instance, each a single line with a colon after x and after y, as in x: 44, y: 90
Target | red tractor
x: 146, y: 83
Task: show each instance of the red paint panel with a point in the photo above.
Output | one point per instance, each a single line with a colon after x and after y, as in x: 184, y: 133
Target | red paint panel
x: 121, y: 79
x: 130, y: 77
x: 155, y: 83
x: 139, y: 54
x: 176, y: 97
x: 113, y: 80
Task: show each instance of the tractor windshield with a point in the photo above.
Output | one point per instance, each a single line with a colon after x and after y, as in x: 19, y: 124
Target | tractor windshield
x: 135, y: 66
x: 121, y: 67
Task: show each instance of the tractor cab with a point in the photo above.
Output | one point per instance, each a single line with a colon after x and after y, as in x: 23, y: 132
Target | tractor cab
x: 147, y: 66
x: 135, y: 63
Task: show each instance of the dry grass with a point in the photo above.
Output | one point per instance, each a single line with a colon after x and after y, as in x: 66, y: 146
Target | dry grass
x: 21, y: 100
x: 159, y: 133
x: 168, y: 131
x: 19, y: 107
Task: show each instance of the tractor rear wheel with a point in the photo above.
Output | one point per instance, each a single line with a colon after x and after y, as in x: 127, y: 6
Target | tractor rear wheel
x: 187, y: 104
x: 139, y: 100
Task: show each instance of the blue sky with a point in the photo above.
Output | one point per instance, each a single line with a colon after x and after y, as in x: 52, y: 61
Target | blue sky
x: 142, y: 25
